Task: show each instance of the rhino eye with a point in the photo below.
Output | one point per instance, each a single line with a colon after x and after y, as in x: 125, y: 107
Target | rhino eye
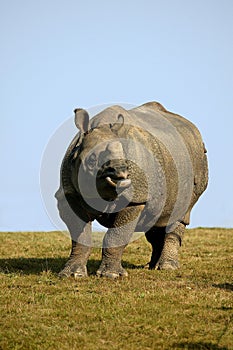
x: 91, y: 161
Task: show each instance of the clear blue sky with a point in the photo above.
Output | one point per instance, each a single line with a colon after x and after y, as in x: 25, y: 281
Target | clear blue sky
x: 57, y: 55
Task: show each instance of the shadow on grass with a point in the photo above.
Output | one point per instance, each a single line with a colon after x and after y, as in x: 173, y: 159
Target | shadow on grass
x: 198, y: 346
x: 227, y: 286
x: 32, y: 266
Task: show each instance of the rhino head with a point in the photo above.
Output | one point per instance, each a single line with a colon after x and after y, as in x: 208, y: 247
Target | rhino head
x: 99, y: 165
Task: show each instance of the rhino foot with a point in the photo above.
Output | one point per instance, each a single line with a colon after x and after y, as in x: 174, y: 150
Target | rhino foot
x: 111, y: 263
x: 168, y: 265
x: 104, y: 271
x: 72, y: 269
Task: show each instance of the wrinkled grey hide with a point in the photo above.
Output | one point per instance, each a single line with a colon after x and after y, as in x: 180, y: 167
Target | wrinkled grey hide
x: 131, y: 170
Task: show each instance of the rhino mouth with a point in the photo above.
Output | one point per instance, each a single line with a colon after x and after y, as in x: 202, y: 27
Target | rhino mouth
x: 118, y: 182
x: 115, y: 176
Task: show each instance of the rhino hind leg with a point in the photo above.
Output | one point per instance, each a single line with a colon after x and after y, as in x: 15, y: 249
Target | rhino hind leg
x: 165, y: 247
x: 172, y: 242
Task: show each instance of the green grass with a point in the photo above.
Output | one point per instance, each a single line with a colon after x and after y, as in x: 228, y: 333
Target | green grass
x: 190, y: 308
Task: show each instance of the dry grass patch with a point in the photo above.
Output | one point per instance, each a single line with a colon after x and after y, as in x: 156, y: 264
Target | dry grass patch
x: 190, y: 308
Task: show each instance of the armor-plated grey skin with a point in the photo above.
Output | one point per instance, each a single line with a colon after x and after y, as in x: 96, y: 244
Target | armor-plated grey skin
x: 131, y: 170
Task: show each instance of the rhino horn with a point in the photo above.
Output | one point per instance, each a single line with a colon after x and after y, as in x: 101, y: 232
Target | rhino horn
x: 81, y: 119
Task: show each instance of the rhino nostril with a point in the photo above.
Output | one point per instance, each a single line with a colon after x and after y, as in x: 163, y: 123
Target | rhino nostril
x: 118, y: 173
x: 110, y: 170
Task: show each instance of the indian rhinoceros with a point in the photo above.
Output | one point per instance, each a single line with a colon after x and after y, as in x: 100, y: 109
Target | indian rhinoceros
x: 141, y: 169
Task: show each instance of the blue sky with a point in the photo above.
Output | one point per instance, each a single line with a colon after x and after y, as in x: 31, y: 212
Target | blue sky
x: 58, y: 55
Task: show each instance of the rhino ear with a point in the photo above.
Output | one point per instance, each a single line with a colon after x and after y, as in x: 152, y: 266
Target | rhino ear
x: 118, y: 125
x: 81, y: 119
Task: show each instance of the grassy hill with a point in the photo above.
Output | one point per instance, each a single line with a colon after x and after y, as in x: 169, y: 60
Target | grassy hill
x: 190, y: 308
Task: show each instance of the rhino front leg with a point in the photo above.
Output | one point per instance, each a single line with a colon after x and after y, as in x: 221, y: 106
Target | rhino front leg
x: 172, y: 242
x: 77, y: 264
x: 116, y: 239
x: 80, y: 232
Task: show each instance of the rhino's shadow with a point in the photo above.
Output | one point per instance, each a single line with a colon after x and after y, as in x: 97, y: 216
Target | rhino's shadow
x: 197, y: 346
x: 32, y: 266
x: 226, y: 286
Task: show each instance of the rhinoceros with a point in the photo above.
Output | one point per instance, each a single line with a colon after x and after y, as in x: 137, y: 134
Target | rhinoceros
x: 137, y: 170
